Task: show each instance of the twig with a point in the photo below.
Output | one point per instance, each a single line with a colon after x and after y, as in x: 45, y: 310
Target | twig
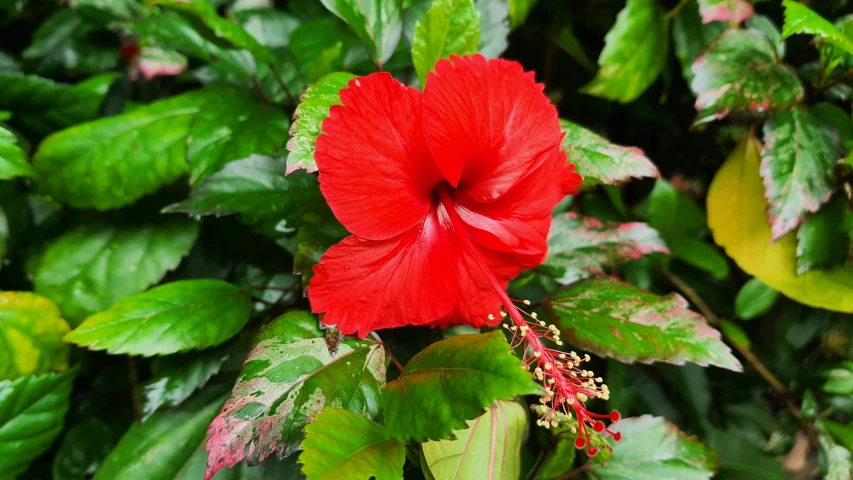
x: 135, y: 394
x: 672, y: 13
x: 282, y: 84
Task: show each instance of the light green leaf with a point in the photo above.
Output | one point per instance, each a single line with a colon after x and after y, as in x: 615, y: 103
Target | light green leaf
x: 801, y: 19
x: 561, y: 459
x: 271, y: 28
x: 32, y: 414
x: 290, y: 377
x: 449, y: 27
x: 618, y: 320
x: 754, y: 299
x: 634, y: 53
x: 341, y: 441
x: 519, y: 10
x: 30, y: 336
x: 91, y: 267
x: 308, y: 119
x: 82, y: 450
x: 450, y: 382
x: 838, y: 463
x: 491, y: 443
x: 175, y: 317
x: 176, y: 377
x: 376, y: 23
x: 13, y: 159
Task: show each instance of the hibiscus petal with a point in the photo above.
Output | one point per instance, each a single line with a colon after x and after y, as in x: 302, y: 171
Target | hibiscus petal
x: 487, y: 124
x: 363, y: 285
x: 375, y: 169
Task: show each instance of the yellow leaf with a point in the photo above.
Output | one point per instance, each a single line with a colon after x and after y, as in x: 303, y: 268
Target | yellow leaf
x: 30, y: 336
x: 738, y: 220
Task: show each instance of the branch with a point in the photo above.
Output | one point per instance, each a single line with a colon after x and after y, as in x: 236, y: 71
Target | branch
x: 282, y: 84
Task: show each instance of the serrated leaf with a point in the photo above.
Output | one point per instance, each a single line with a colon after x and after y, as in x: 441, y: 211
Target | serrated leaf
x: 618, y: 320
x: 175, y: 317
x: 82, y: 450
x: 580, y: 247
x: 449, y: 27
x: 801, y: 19
x: 256, y: 189
x: 690, y: 37
x: 737, y: 187
x: 87, y: 269
x: 41, y: 106
x: 450, y: 382
x: 289, y: 377
x: 494, y: 27
x: 651, y: 449
x: 796, y: 165
x: 490, y: 443
x: 376, y: 23
x: 176, y: 377
x: 634, y: 53
x: 733, y: 11
x: 13, y: 159
x: 231, y: 128
x: 822, y: 239
x: 741, y: 73
x: 754, y: 299
x: 313, y: 108
x: 32, y: 414
x: 30, y: 332
x: 162, y: 446
x: 601, y: 162
x: 341, y: 441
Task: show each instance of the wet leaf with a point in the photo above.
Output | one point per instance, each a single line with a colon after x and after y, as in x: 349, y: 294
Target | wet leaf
x: 801, y: 19
x: 31, y: 331
x: 377, y: 24
x: 82, y: 450
x: 176, y: 377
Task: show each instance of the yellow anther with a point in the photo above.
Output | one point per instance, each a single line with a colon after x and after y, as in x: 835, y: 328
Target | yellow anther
x: 582, y: 397
x: 586, y: 357
x: 491, y: 317
x: 503, y: 314
x: 599, y: 379
x: 562, y: 355
x: 571, y: 401
x: 526, y: 302
x: 542, y: 323
x: 513, y: 328
x: 534, y: 315
x: 555, y: 423
x: 537, y: 354
x: 547, y: 365
x: 505, y: 325
x: 574, y: 430
x: 551, y: 381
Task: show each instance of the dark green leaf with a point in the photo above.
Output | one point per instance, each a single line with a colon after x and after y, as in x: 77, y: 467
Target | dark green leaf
x: 741, y: 73
x: 801, y: 19
x: 162, y: 447
x: 733, y: 11
x: 308, y: 119
x: 111, y: 9
x: 822, y: 240
x: 618, y: 320
x: 741, y: 460
x: 13, y: 159
x: 560, y: 460
x: 341, y: 441
x: 494, y: 27
x: 257, y: 189
x: 176, y: 377
x: 376, y: 23
x: 842, y: 433
x: 765, y: 25
x: 175, y: 317
x: 698, y: 253
x: 838, y: 118
x: 634, y: 53
x: 490, y: 443
x: 450, y: 382
x: 289, y: 377
x: 580, y: 247
x: 30, y: 332
x: 796, y: 165
x: 32, y: 413
x: 82, y: 450
x: 754, y: 299
x: 449, y: 27
x: 601, y: 162
x: 91, y: 267
x: 568, y: 41
x: 317, y: 233
x: 69, y: 41
x: 690, y: 36
x: 519, y: 10
x: 651, y: 449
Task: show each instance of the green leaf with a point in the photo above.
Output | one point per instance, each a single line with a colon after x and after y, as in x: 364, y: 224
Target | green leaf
x: 842, y: 433
x: 838, y: 464
x: 288, y: 378
x: 162, y: 447
x: 601, y: 162
x: 223, y: 29
x: 765, y: 25
x: 13, y: 159
x: 175, y: 317
x: 82, y: 450
x: 341, y: 441
x: 651, y: 449
x: 176, y: 377
x: 699, y: 254
x: 690, y: 36
x: 801, y: 19
x: 316, y: 102
x: 579, y: 247
x: 449, y: 27
x: 112, y: 9
x: 490, y: 443
x: 271, y: 28
x: 32, y: 413
x: 30, y: 333
x: 377, y: 24
x: 69, y: 41
x: 41, y: 106
x: 450, y: 382
x: 494, y: 27
x: 634, y: 53
x: 796, y: 165
x: 231, y: 128
x: 822, y: 240
x: 257, y: 189
x: 569, y: 43
x: 519, y: 10
x: 741, y: 74
x: 732, y: 11
x: 754, y: 299
x: 740, y: 459
x: 87, y: 269
x: 618, y: 320
x: 560, y: 460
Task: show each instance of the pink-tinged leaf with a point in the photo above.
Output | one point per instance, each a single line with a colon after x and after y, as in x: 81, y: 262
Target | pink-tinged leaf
x: 156, y: 62
x: 796, y: 165
x: 580, y: 247
x: 733, y: 11
x: 288, y: 378
x: 622, y: 321
x: 601, y: 162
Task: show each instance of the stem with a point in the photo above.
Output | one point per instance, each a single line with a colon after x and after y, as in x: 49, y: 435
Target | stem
x: 260, y: 90
x: 282, y: 84
x: 134, y: 388
x: 823, y: 88
x: 577, y: 472
x: 391, y: 356
x: 672, y: 13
